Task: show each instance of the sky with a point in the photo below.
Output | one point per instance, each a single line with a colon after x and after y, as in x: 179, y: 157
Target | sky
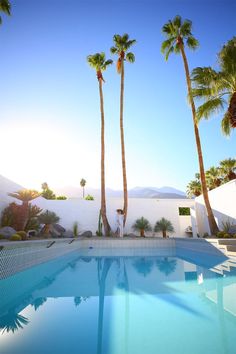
x: 49, y: 98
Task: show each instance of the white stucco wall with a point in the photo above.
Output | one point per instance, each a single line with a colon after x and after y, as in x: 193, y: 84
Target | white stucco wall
x: 86, y: 212
x: 223, y: 203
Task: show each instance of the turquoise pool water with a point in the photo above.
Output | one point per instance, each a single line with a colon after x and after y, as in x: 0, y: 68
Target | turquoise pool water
x: 150, y: 304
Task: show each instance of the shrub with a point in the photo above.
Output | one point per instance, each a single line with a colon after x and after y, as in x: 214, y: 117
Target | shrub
x: 75, y: 230
x: 15, y: 237
x: 226, y: 235
x: 1, y: 237
x: 22, y: 234
x: 184, y: 211
x: 89, y: 197
x: 205, y: 235
x: 61, y: 197
x: 220, y: 234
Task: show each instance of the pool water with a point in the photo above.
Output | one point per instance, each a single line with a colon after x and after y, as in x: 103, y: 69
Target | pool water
x: 149, y: 304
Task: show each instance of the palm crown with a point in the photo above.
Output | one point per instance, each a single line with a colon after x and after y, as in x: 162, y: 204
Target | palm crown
x: 121, y: 46
x: 178, y: 33
x: 25, y: 195
x: 99, y: 63
x: 5, y: 7
x: 164, y: 225
x: 218, y: 88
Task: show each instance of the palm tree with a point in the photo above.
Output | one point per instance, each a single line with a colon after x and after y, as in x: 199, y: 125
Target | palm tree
x: 166, y: 266
x: 143, y: 265
x: 178, y: 35
x: 142, y: 225
x: 213, y: 177
x: 121, y: 46
x: 5, y: 7
x: 194, y: 188
x: 82, y: 185
x: 228, y: 169
x: 99, y: 63
x: 12, y: 322
x: 48, y: 218
x: 218, y: 88
x: 25, y: 195
x: 164, y: 225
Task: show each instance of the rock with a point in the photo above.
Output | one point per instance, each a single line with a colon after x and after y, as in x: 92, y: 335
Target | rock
x: 57, y: 230
x: 86, y: 234
x: 132, y: 235
x: 7, y: 231
x: 68, y: 234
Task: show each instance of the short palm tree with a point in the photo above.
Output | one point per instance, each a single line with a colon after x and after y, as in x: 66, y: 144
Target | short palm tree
x: 143, y: 265
x: 217, y: 89
x: 5, y: 7
x: 48, y: 218
x: 194, y: 188
x: 99, y: 63
x: 166, y: 266
x: 179, y: 35
x: 213, y: 177
x: 228, y: 169
x: 142, y: 225
x: 165, y: 226
x: 25, y: 195
x: 82, y: 185
x: 121, y: 47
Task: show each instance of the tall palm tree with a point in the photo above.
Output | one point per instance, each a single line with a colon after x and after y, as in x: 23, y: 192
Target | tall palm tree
x: 99, y: 63
x: 121, y: 46
x: 25, y: 195
x: 5, y: 7
x: 213, y: 177
x: 228, y: 169
x: 179, y: 35
x: 82, y: 185
x: 218, y: 88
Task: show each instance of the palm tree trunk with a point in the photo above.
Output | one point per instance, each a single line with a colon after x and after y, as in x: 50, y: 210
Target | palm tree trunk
x: 103, y: 197
x: 164, y: 233
x: 125, y: 207
x: 212, y: 223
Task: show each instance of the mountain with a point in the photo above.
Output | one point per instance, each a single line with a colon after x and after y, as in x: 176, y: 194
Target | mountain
x: 137, y: 192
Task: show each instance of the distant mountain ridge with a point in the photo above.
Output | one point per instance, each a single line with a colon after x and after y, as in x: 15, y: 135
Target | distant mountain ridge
x: 166, y: 192
x: 137, y: 192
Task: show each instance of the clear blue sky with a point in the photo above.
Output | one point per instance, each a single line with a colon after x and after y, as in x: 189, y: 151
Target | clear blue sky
x: 50, y: 119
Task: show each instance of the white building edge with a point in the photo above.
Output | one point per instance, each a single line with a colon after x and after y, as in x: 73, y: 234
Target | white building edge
x: 86, y: 213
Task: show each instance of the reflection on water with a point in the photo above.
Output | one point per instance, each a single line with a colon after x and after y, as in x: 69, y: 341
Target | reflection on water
x: 12, y: 321
x: 114, y: 295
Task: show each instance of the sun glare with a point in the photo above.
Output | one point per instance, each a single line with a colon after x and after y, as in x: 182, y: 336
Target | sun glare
x: 34, y: 152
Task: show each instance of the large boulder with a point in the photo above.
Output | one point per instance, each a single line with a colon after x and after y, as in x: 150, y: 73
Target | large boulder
x: 57, y: 230
x: 86, y: 234
x: 7, y: 231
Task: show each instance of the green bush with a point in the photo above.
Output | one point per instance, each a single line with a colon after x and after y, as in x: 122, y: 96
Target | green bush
x: 89, y: 197
x: 23, y: 235
x: 220, y: 234
x: 61, y: 197
x: 226, y: 235
x: 15, y: 237
x: 1, y: 237
x: 184, y: 211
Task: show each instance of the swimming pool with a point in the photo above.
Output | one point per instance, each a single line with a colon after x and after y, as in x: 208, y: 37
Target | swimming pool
x: 89, y: 303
